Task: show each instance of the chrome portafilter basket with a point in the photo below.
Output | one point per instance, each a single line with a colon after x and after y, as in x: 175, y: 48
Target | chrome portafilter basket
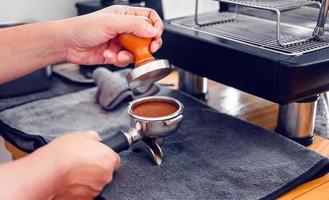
x: 147, y: 129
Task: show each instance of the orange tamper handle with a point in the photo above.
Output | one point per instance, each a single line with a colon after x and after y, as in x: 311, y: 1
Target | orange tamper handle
x: 139, y: 47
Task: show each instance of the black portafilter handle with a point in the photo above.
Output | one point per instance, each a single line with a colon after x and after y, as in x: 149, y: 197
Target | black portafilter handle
x: 118, y: 142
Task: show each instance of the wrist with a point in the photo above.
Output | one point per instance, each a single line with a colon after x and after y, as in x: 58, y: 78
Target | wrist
x: 59, y: 39
x: 40, y: 175
x: 50, y: 170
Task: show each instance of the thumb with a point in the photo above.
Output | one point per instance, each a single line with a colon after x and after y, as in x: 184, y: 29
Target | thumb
x: 135, y: 25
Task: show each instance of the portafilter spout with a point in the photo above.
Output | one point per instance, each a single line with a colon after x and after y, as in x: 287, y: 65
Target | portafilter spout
x: 146, y: 127
x: 319, y: 29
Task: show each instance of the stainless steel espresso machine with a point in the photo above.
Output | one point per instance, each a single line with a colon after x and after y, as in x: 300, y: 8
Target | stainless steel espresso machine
x: 274, y: 49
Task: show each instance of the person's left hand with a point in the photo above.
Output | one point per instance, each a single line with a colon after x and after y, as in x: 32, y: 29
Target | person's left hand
x: 91, y: 39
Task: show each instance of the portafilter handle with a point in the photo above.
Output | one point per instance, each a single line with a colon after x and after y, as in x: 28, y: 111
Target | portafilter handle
x: 118, y: 142
x: 121, y: 140
x: 319, y: 29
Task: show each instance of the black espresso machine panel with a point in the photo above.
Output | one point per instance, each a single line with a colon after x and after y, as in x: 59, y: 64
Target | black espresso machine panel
x: 265, y: 48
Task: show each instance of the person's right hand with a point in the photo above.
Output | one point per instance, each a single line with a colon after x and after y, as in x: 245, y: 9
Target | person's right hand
x: 92, y: 39
x: 87, y: 164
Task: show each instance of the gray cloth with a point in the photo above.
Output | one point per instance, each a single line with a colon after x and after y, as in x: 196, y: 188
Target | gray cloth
x: 211, y: 156
x: 215, y: 156
x: 58, y: 87
x: 50, y: 118
x: 113, y: 87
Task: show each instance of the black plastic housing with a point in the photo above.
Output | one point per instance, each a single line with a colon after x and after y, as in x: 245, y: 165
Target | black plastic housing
x: 267, y: 74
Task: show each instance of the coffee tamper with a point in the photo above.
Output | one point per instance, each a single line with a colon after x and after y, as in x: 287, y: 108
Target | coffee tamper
x: 147, y: 69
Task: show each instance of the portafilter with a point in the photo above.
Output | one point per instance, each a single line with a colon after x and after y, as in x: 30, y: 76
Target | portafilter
x: 150, y: 119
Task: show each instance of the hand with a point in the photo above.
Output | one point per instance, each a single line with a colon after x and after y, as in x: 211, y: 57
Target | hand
x: 74, y: 166
x: 91, y: 39
x: 87, y: 165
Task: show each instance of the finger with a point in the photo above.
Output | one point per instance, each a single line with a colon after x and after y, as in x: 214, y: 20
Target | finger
x: 125, y: 57
x: 111, y: 57
x: 110, y: 53
x: 114, y: 55
x: 113, y: 160
x: 132, y: 24
x: 137, y: 11
x: 114, y: 46
x: 150, y: 14
x: 145, y: 12
x: 113, y: 164
x: 117, y: 162
x: 83, y: 191
x: 156, y: 45
x: 91, y: 134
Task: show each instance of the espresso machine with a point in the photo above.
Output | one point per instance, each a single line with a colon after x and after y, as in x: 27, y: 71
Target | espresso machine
x: 273, y: 49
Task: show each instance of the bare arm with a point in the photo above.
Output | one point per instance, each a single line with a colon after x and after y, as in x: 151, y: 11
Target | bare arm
x: 26, y: 48
x: 89, y: 39
x: 34, y: 177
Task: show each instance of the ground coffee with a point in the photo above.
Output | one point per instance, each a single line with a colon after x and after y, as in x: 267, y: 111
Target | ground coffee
x: 154, y: 108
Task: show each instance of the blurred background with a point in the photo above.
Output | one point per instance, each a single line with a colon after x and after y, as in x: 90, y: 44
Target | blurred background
x: 42, y: 10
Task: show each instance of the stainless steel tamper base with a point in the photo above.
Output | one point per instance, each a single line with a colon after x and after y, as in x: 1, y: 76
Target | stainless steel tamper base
x: 141, y: 78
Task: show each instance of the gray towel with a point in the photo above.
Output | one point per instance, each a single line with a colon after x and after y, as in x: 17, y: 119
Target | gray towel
x: 58, y: 87
x: 211, y: 156
x: 113, y: 87
x: 215, y: 156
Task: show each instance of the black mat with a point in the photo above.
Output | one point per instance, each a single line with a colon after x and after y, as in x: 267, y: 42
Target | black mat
x: 215, y: 156
x: 211, y: 156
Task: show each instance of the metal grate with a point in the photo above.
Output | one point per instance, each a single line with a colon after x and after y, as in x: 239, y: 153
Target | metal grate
x: 255, y: 31
x: 280, y: 5
x: 276, y: 6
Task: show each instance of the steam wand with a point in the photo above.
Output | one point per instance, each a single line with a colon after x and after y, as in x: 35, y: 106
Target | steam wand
x: 319, y: 29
